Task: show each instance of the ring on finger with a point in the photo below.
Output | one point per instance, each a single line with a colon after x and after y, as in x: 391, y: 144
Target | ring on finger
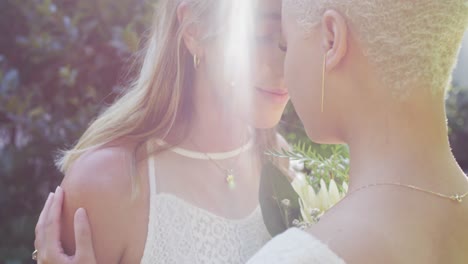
x: 34, y: 255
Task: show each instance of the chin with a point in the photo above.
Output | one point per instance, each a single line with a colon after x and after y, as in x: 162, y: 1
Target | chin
x: 266, y: 121
x: 266, y: 116
x: 320, y: 135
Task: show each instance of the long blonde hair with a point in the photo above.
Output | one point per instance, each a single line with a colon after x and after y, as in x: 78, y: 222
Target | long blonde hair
x: 161, y: 95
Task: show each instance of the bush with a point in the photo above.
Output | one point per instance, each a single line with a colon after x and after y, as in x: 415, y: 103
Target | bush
x: 457, y: 112
x: 59, y: 63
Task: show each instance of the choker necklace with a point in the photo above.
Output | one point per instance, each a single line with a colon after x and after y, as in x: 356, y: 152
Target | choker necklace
x: 208, y: 156
x: 229, y: 173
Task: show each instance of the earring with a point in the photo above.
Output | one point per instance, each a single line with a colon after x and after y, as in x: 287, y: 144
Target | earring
x: 196, y: 61
x: 323, y: 78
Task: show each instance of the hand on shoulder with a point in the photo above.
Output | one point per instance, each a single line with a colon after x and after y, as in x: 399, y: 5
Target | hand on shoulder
x: 99, y: 181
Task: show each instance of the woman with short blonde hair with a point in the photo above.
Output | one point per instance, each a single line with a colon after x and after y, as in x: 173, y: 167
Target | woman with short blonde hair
x: 373, y: 74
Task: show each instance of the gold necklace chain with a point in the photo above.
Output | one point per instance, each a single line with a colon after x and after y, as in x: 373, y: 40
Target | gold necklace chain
x: 229, y: 172
x: 456, y: 197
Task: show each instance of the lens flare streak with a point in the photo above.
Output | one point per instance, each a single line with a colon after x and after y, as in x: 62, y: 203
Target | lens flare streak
x: 238, y: 51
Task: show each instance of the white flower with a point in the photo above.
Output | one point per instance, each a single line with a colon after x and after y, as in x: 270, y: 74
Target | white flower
x: 313, y: 204
x: 296, y: 165
x: 345, y: 188
x: 323, y: 195
x: 333, y: 193
x: 307, y: 197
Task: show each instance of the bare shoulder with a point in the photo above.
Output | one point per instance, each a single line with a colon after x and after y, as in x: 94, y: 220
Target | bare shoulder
x: 101, y: 171
x: 354, y: 238
x: 101, y: 182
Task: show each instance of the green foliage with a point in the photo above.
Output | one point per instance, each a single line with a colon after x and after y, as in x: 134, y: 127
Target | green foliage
x: 293, y: 130
x: 291, y: 127
x: 317, y: 166
x: 60, y: 62
x: 275, y: 189
x: 457, y: 113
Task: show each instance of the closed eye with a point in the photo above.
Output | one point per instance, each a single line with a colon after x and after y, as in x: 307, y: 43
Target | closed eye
x: 266, y: 38
x: 282, y: 47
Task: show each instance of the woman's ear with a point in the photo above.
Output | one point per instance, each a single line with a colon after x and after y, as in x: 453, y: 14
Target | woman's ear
x: 335, y: 37
x: 190, y: 30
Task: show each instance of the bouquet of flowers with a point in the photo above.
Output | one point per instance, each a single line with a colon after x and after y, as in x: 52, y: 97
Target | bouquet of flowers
x: 318, y: 183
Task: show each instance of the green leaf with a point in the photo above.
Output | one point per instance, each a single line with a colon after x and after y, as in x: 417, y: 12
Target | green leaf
x: 275, y: 187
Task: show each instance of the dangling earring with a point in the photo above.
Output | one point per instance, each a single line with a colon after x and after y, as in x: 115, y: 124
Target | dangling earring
x: 323, y: 78
x: 196, y: 61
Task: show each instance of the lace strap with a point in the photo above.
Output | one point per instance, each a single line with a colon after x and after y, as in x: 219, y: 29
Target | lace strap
x: 151, y: 169
x: 148, y: 256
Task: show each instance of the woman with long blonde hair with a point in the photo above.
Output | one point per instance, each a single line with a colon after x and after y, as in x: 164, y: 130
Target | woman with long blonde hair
x: 170, y: 172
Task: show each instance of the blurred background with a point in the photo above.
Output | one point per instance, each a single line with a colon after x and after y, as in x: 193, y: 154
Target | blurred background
x: 60, y: 63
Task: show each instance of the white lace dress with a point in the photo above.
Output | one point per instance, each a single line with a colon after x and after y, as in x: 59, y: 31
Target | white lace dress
x: 180, y: 233
x: 295, y: 246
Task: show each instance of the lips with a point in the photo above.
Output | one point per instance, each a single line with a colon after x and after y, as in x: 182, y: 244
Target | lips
x: 278, y: 92
x: 275, y: 95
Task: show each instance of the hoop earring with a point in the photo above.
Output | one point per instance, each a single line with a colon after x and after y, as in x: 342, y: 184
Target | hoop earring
x: 323, y: 79
x: 196, y: 61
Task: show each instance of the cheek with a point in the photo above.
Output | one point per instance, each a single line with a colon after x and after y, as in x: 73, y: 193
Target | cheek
x: 265, y: 114
x: 221, y: 75
x: 268, y: 66
x: 297, y: 73
x: 214, y: 61
x: 267, y: 72
x: 216, y: 53
x: 302, y: 76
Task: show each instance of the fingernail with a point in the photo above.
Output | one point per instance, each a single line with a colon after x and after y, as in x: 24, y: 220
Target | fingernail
x: 57, y: 189
x: 81, y: 212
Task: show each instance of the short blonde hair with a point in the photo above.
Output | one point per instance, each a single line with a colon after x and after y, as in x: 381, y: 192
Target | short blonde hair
x: 411, y: 43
